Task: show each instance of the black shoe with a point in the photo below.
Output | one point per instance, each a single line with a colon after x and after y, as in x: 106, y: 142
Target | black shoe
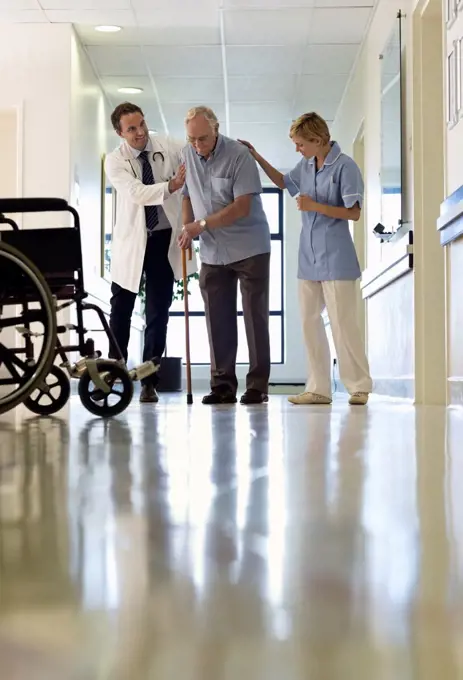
x: 148, y: 395
x: 254, y: 397
x: 219, y: 397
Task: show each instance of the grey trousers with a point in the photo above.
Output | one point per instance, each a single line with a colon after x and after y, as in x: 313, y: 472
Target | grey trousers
x: 219, y: 288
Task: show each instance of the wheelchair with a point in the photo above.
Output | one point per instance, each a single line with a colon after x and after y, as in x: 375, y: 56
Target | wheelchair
x: 41, y: 275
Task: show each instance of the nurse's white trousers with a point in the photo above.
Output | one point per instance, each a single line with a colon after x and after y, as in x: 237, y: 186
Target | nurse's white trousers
x: 340, y: 300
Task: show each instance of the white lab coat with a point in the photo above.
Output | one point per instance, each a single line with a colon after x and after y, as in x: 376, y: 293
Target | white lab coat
x: 129, y: 233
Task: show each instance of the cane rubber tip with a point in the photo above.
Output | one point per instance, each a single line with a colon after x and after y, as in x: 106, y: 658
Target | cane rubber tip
x: 189, y: 399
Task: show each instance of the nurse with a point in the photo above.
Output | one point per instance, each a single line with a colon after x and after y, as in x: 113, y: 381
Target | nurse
x: 330, y: 193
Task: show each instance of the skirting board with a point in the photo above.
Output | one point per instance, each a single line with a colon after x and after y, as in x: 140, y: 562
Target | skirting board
x: 455, y: 391
x: 402, y: 388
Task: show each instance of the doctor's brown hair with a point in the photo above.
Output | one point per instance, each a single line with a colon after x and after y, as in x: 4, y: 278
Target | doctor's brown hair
x: 311, y: 127
x: 123, y: 109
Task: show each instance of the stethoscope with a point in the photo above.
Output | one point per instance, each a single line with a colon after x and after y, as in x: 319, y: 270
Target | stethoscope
x: 156, y: 153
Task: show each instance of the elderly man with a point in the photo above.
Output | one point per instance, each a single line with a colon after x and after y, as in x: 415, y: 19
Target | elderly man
x: 222, y: 205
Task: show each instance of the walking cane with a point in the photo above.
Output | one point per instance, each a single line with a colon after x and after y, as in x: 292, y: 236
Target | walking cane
x: 189, y: 396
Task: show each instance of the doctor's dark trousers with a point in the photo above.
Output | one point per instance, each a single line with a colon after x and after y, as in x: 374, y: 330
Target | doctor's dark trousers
x: 159, y: 292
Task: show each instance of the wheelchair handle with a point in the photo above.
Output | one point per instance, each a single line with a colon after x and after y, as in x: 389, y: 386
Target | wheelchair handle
x: 7, y: 220
x: 28, y: 205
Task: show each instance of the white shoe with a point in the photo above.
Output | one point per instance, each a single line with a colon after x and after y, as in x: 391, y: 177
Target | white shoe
x: 309, y: 398
x: 359, y: 399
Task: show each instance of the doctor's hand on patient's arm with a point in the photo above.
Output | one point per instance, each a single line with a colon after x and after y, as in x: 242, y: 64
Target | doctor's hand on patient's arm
x: 178, y: 180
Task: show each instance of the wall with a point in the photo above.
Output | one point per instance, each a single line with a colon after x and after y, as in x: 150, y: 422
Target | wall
x: 37, y: 80
x: 35, y: 83
x: 454, y: 180
x: 389, y: 313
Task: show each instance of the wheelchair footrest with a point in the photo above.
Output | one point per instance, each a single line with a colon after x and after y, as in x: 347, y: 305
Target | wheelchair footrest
x: 145, y: 369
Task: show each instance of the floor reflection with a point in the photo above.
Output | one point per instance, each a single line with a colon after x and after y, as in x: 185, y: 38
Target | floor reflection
x: 264, y: 543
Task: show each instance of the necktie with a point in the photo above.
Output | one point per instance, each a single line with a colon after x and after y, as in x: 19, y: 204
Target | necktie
x: 151, y: 211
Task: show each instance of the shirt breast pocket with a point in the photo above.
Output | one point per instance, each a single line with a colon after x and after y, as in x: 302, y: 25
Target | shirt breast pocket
x: 222, y: 190
x: 334, y: 195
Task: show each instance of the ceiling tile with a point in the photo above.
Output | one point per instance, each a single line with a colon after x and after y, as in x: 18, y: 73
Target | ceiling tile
x: 260, y: 60
x: 269, y: 27
x: 86, y: 4
x: 112, y: 83
x: 322, y: 87
x: 188, y: 27
x: 207, y: 91
x: 26, y: 16
x: 93, y: 17
x: 19, y: 5
x: 265, y: 88
x: 200, y: 5
x: 329, y: 59
x: 265, y: 112
x: 338, y: 25
x: 117, y: 61
x: 352, y: 4
x: 184, y: 61
x: 130, y: 35
x: 324, y: 107
x: 267, y: 4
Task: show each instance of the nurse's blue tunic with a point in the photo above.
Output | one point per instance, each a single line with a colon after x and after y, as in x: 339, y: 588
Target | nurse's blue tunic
x: 326, y: 248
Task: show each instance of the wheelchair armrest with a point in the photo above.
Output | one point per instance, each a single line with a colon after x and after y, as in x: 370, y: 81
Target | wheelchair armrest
x: 28, y: 205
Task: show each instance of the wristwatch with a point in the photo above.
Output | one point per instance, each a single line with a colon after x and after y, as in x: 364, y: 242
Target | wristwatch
x: 202, y: 223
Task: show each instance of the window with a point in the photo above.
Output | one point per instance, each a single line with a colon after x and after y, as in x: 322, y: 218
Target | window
x: 272, y: 200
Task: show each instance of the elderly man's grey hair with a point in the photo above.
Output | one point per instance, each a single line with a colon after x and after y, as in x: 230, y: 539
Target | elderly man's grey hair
x: 205, y: 111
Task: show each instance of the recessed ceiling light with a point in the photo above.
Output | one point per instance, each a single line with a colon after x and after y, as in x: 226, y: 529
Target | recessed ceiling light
x: 108, y: 29
x: 152, y: 132
x: 130, y: 90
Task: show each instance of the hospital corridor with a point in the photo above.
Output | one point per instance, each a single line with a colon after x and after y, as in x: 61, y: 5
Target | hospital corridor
x: 231, y: 340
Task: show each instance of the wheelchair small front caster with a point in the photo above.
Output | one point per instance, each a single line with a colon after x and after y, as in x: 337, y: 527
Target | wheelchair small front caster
x: 107, y: 392
x: 51, y: 395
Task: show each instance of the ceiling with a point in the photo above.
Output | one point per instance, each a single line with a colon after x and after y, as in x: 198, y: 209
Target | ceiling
x: 258, y: 63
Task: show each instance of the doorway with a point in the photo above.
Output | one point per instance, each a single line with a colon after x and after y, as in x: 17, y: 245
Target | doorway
x: 429, y: 192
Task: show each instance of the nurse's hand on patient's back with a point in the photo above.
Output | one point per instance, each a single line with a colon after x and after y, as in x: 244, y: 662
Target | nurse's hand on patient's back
x: 305, y: 203
x: 178, y: 180
x: 250, y: 147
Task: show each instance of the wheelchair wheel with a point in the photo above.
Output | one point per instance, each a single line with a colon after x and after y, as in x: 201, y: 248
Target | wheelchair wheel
x: 22, y: 368
x: 51, y: 394
x: 106, y: 404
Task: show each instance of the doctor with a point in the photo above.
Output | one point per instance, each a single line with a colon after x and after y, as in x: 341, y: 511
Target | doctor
x: 147, y: 173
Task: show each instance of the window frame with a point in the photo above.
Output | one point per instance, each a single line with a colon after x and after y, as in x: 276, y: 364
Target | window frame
x: 277, y: 236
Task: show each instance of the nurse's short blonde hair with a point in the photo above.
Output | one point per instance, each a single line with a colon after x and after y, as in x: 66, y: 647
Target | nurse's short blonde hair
x: 205, y: 111
x: 311, y: 127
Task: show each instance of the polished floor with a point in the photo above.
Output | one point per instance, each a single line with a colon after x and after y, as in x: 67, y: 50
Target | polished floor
x: 232, y: 543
